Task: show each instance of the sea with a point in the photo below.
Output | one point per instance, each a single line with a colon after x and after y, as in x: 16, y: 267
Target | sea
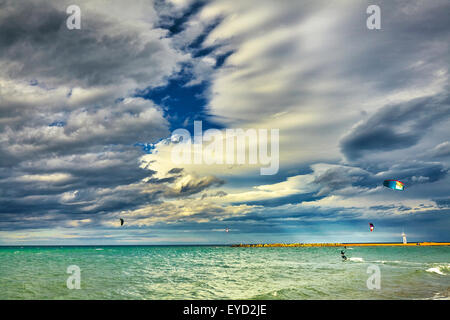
x: 223, y: 272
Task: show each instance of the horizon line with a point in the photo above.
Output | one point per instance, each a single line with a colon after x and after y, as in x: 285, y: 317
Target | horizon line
x: 214, y: 245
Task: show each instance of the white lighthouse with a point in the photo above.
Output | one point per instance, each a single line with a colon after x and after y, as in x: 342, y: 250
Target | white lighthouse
x: 404, y: 238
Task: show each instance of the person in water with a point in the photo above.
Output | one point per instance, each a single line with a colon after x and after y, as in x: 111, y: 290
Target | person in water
x: 343, y: 255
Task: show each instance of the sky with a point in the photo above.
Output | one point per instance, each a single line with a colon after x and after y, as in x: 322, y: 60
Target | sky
x: 87, y: 116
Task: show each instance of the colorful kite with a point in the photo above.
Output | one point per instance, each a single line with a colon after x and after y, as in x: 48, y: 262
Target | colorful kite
x: 394, y: 184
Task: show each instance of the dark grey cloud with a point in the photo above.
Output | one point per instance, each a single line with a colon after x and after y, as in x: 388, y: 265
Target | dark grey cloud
x: 443, y: 203
x: 86, y: 167
x: 393, y: 127
x: 85, y: 131
x: 406, y: 53
x: 363, y: 178
x: 30, y: 202
x: 382, y: 207
x: 86, y: 193
x: 163, y: 180
x: 338, y: 177
x: 193, y: 185
x: 441, y: 150
x: 175, y: 170
x: 415, y: 172
x: 37, y: 45
x: 220, y: 193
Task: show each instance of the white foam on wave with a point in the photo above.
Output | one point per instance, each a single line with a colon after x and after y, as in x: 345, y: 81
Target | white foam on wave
x: 391, y: 261
x: 435, y: 270
x: 357, y: 259
x: 98, y: 249
x: 439, y: 269
x: 441, y: 296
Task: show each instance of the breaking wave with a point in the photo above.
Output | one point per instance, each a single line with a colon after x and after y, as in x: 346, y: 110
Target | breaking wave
x: 356, y: 259
x: 440, y: 269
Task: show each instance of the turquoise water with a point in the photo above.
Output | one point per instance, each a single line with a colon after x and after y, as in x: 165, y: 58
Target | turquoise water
x: 193, y: 272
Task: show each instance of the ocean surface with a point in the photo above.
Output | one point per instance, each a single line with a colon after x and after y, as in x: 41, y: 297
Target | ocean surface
x: 219, y: 272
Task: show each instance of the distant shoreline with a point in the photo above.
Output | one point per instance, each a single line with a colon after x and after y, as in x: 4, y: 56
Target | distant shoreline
x: 248, y: 245
x: 377, y: 244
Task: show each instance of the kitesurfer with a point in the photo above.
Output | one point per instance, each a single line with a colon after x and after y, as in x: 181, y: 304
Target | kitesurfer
x: 343, y: 255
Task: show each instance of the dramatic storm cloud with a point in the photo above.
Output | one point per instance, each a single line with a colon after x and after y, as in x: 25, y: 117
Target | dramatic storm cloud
x: 396, y: 126
x: 86, y: 118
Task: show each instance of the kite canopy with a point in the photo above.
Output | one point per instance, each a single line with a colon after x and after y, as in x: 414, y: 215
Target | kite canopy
x: 394, y: 184
x: 371, y: 227
x: 121, y: 221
